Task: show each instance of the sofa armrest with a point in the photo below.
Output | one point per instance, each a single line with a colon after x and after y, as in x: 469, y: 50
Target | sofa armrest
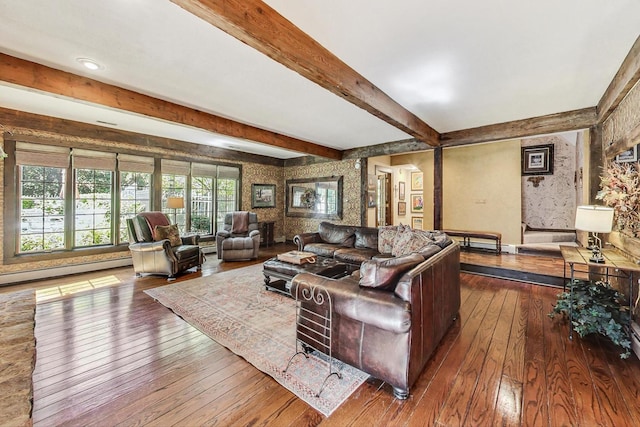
x: 381, y: 309
x: 254, y: 233
x: 223, y: 234
x: 303, y: 239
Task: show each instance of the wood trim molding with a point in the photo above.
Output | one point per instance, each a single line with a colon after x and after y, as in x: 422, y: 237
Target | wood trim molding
x: 623, y: 144
x: 256, y: 24
x: 35, y: 76
x: 20, y: 119
x: 552, y: 123
x: 627, y: 76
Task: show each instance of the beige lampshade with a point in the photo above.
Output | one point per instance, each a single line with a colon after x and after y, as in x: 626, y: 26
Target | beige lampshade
x: 596, y: 219
x: 175, y: 202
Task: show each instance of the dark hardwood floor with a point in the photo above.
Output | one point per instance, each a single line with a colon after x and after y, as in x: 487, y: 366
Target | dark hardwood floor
x: 107, y: 354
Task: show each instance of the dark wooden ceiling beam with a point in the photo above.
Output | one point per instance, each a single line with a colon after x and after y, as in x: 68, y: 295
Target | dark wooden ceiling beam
x: 552, y: 123
x: 386, y: 149
x: 258, y: 25
x: 19, y: 119
x: 35, y: 76
x: 627, y: 76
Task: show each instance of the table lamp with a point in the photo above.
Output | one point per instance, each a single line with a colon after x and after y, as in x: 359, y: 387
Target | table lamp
x: 175, y: 203
x: 595, y: 219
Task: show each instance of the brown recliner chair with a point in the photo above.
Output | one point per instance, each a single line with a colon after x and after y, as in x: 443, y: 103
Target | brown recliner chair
x: 157, y: 248
x: 240, y: 238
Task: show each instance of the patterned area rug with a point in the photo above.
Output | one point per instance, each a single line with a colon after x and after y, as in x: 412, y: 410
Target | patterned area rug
x: 17, y: 357
x: 234, y: 309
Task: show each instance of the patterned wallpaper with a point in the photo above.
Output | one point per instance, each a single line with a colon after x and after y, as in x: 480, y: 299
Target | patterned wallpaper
x: 553, y: 203
x: 351, y: 194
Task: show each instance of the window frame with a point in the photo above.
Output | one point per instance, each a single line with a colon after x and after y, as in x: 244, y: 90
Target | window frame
x: 11, y: 200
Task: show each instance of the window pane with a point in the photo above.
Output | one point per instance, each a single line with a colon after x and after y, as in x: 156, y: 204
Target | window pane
x: 93, y: 207
x: 135, y: 196
x: 41, y: 212
x: 202, y: 205
x: 226, y: 199
x: 174, y: 186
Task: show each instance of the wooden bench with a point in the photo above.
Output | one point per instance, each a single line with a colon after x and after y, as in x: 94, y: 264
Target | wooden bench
x: 468, y: 235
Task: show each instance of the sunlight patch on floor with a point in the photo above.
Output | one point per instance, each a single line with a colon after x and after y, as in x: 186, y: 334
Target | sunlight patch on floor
x: 75, y: 287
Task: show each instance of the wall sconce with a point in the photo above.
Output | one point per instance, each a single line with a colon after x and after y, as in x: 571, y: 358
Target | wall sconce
x: 535, y: 180
x: 357, y: 164
x: 595, y: 219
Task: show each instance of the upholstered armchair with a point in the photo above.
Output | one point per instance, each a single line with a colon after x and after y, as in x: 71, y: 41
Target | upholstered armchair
x: 240, y: 238
x: 157, y: 248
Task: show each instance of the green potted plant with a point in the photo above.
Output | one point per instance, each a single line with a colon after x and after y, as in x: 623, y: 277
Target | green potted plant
x: 596, y: 308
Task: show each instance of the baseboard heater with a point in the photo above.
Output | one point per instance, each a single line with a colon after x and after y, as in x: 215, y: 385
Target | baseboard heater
x: 45, y: 273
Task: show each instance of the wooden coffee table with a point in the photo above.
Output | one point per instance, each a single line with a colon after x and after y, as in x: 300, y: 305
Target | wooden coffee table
x: 283, y: 272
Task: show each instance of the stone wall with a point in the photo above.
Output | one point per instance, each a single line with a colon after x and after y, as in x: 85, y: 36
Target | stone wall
x: 552, y: 204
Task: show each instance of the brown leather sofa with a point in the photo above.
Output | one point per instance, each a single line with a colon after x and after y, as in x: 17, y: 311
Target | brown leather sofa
x: 345, y: 243
x: 156, y: 254
x: 389, y: 316
x: 353, y: 245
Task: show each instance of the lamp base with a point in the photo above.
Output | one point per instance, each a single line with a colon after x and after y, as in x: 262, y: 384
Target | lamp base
x: 596, y: 256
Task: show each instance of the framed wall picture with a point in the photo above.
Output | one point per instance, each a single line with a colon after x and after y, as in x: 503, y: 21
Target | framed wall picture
x: 416, y: 181
x: 417, y: 203
x: 416, y: 222
x: 371, y: 199
x: 402, y: 208
x: 401, y: 190
x: 628, y: 156
x: 263, y: 195
x: 537, y: 160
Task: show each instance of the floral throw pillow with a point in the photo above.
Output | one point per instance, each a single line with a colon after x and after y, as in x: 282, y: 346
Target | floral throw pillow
x: 168, y: 232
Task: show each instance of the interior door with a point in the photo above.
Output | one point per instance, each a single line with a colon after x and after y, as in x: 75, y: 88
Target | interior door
x: 383, y: 216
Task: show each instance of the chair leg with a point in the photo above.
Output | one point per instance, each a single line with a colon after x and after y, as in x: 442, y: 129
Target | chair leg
x: 171, y: 278
x: 400, y: 394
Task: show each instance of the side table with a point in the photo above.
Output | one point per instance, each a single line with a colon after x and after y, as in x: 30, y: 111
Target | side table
x: 266, y: 232
x: 615, y: 265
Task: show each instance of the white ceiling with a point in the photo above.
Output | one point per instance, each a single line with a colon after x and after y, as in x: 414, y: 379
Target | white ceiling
x: 455, y: 64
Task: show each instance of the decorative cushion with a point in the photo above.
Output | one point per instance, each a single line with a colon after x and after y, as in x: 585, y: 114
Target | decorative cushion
x: 170, y: 232
x: 386, y: 237
x: 401, y: 241
x: 383, y: 274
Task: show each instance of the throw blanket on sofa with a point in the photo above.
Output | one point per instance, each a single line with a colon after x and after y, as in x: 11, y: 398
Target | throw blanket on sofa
x: 240, y: 222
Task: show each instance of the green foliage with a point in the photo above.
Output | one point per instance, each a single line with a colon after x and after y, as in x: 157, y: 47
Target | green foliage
x: 597, y: 309
x: 201, y: 224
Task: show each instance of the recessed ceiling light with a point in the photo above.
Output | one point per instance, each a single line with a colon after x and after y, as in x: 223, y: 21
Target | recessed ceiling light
x: 90, y: 64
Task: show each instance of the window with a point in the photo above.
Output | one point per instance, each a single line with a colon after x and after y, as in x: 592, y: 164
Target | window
x: 93, y: 207
x: 202, y: 204
x: 76, y: 198
x: 136, y: 177
x: 93, y: 197
x: 41, y: 209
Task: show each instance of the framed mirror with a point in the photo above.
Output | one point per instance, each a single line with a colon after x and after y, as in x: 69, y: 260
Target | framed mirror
x: 315, y: 197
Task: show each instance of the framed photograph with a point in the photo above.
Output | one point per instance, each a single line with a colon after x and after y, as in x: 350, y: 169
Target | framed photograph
x: 402, y: 208
x: 416, y: 222
x: 371, y: 199
x: 537, y: 160
x: 628, y: 156
x: 416, y: 181
x: 401, y: 190
x: 417, y: 203
x: 263, y: 195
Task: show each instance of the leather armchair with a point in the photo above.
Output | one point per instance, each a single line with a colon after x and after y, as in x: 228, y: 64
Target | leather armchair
x: 158, y: 256
x: 240, y: 238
